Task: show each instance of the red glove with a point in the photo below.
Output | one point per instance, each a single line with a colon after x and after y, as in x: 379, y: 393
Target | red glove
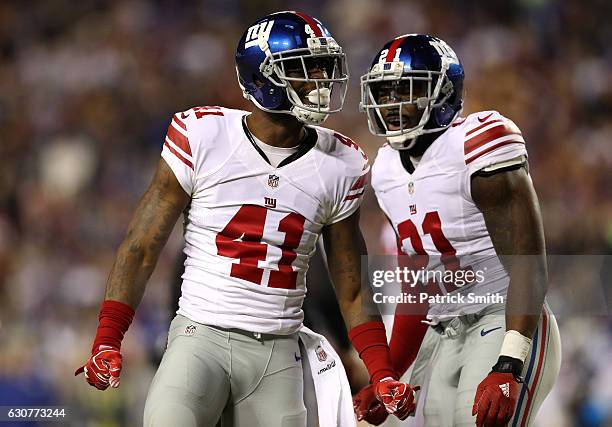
x: 497, y: 394
x: 104, y: 366
x: 398, y: 397
x: 367, y: 407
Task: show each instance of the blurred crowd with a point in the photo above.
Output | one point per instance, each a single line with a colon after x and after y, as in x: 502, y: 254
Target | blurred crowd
x: 87, y: 89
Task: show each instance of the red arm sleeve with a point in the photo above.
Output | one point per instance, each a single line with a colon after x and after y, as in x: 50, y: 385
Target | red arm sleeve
x: 406, y: 337
x: 370, y: 341
x: 408, y: 329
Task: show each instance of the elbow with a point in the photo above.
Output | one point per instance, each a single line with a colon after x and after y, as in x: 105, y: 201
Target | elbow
x: 138, y: 252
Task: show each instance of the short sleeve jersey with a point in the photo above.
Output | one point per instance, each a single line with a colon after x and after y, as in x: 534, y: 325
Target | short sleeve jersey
x: 432, y: 211
x: 251, y: 228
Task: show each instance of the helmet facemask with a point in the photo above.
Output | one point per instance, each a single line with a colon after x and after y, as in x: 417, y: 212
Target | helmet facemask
x: 321, y: 68
x: 424, y: 91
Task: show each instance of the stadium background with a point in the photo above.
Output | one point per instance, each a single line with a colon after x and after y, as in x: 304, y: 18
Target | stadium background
x: 87, y: 89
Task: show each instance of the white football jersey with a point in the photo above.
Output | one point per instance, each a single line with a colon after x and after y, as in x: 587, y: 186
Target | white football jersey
x: 432, y: 211
x: 251, y: 228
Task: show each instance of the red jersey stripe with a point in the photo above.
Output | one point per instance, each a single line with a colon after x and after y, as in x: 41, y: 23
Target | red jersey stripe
x: 179, y: 139
x: 200, y: 114
x: 393, y: 48
x: 178, y: 155
x: 468, y: 133
x: 178, y: 121
x: 489, y: 135
x: 311, y: 23
x: 491, y: 148
x: 353, y: 196
x: 361, y: 181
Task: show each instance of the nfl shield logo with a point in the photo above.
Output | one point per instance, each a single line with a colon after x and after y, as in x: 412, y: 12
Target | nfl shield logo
x: 321, y: 355
x: 411, y: 187
x: 273, y: 180
x: 190, y: 330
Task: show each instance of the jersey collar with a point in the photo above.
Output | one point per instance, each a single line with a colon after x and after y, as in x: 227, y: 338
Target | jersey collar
x: 304, y: 147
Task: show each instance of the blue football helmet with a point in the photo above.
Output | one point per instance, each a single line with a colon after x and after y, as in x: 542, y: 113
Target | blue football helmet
x: 417, y: 72
x: 287, y: 47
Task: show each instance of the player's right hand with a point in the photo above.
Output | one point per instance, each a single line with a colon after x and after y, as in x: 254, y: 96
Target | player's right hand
x: 398, y: 397
x: 368, y: 408
x: 103, y: 368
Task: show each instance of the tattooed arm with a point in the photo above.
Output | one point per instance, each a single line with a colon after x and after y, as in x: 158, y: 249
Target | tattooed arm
x: 136, y: 257
x: 152, y: 222
x: 510, y: 207
x: 344, y: 245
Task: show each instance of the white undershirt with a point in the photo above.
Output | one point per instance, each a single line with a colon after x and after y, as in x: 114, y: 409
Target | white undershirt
x: 275, y: 154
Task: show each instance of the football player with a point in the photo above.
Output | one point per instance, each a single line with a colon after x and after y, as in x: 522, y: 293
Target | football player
x: 459, y: 197
x: 257, y: 189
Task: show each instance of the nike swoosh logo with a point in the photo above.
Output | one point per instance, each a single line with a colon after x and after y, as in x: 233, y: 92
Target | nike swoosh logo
x: 484, y: 118
x: 184, y: 116
x: 297, y: 358
x: 483, y: 332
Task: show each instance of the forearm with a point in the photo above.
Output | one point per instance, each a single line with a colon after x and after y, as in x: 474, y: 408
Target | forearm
x: 130, y: 273
x: 528, y: 286
x: 406, y: 338
x: 352, y: 309
x: 526, y: 263
x: 366, y: 330
x: 344, y: 246
x: 344, y: 251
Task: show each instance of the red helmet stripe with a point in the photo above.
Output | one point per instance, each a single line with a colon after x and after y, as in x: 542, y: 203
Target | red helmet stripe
x: 311, y: 22
x: 393, y: 48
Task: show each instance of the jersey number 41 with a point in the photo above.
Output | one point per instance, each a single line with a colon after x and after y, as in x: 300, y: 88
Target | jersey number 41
x: 241, y: 239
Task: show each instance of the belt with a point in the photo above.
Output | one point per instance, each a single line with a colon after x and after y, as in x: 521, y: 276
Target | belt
x: 455, y: 326
x: 468, y: 319
x: 259, y: 336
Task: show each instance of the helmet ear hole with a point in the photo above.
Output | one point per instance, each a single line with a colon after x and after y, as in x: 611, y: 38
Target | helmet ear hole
x: 442, y: 116
x: 258, y: 82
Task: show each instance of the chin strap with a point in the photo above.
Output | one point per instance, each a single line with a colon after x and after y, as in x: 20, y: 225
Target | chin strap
x: 400, y: 142
x: 320, y: 99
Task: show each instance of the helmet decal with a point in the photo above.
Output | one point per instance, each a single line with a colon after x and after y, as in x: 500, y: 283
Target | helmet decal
x: 258, y: 34
x: 311, y: 27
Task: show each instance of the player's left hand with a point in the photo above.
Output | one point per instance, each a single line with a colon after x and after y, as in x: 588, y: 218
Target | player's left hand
x: 368, y: 408
x: 495, y: 399
x: 398, y: 397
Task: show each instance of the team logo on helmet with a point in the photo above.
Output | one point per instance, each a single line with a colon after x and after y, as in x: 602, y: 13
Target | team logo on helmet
x: 258, y: 34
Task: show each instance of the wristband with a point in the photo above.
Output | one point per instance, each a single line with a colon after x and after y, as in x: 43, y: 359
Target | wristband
x: 515, y: 345
x: 509, y: 365
x: 114, y: 320
x: 370, y: 341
